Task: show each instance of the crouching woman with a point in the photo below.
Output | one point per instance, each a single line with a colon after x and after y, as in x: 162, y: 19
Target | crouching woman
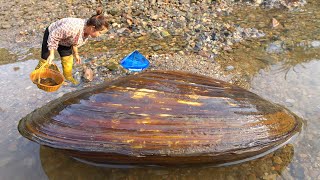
x: 66, y: 35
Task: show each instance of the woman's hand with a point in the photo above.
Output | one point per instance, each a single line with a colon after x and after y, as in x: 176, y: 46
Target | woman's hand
x: 50, y: 58
x: 75, y: 54
x: 78, y: 59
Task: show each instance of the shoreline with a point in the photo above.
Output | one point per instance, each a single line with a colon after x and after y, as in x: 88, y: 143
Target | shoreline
x: 209, y: 39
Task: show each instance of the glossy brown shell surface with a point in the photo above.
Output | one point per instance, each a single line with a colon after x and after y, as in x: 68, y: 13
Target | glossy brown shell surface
x: 161, y: 117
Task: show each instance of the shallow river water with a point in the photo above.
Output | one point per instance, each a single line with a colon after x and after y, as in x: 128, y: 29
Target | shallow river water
x: 289, y: 76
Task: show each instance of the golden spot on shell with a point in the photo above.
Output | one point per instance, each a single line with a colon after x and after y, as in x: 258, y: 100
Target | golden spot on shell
x: 232, y: 104
x: 129, y: 141
x: 193, y: 96
x: 143, y: 114
x: 115, y: 121
x: 165, y: 115
x: 141, y: 94
x: 135, y: 107
x: 138, y: 95
x: 149, y: 130
x: 155, y: 130
x: 148, y: 90
x: 144, y: 121
x: 189, y: 103
x: 130, y: 88
x: 168, y: 109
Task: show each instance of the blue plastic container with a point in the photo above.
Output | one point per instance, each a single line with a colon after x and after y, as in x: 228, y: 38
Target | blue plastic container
x: 135, y: 62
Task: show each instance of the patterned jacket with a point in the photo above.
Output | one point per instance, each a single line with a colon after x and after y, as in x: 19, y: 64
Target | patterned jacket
x: 67, y: 32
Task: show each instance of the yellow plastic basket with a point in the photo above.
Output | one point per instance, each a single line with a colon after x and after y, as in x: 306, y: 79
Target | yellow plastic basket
x: 44, y: 72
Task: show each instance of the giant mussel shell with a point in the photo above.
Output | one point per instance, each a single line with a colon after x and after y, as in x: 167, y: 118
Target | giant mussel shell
x: 161, y: 117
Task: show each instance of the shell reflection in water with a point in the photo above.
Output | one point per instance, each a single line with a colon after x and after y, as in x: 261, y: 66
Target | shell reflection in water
x: 161, y: 117
x: 57, y: 165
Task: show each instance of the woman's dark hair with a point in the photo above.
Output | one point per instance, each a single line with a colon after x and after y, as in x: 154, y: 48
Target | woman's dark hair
x: 99, y: 21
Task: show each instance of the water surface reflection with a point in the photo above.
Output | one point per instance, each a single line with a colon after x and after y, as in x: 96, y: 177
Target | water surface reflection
x: 59, y: 166
x: 298, y: 89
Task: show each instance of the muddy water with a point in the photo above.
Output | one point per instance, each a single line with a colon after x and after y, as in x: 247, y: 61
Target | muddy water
x: 283, y: 67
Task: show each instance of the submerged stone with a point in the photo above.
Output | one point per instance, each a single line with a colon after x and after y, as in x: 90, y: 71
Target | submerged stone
x: 162, y: 117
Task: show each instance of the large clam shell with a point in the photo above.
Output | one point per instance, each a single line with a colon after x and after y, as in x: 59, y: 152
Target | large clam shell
x: 161, y: 117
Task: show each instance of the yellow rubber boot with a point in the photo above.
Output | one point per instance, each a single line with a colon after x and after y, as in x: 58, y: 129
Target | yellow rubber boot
x: 67, y: 63
x: 40, y: 63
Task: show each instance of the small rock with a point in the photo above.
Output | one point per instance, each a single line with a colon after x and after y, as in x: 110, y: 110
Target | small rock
x: 165, y: 33
x: 154, y: 17
x: 122, y: 30
x: 5, y: 25
x: 112, y: 66
x: 303, y: 155
x: 258, y: 2
x: 229, y: 68
x: 275, y: 23
x: 156, y: 47
x: 204, y: 53
x: 275, y: 47
x: 252, y: 177
x: 87, y: 73
x: 277, y: 160
x: 28, y: 87
x: 290, y: 102
x: 315, y: 44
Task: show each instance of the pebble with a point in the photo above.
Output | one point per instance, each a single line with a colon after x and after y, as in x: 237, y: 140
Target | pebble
x: 156, y: 47
x: 275, y: 47
x: 277, y: 160
x: 28, y: 87
x: 315, y: 44
x: 252, y: 177
x: 290, y: 102
x: 165, y: 33
x: 6, y: 25
x: 229, y: 68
